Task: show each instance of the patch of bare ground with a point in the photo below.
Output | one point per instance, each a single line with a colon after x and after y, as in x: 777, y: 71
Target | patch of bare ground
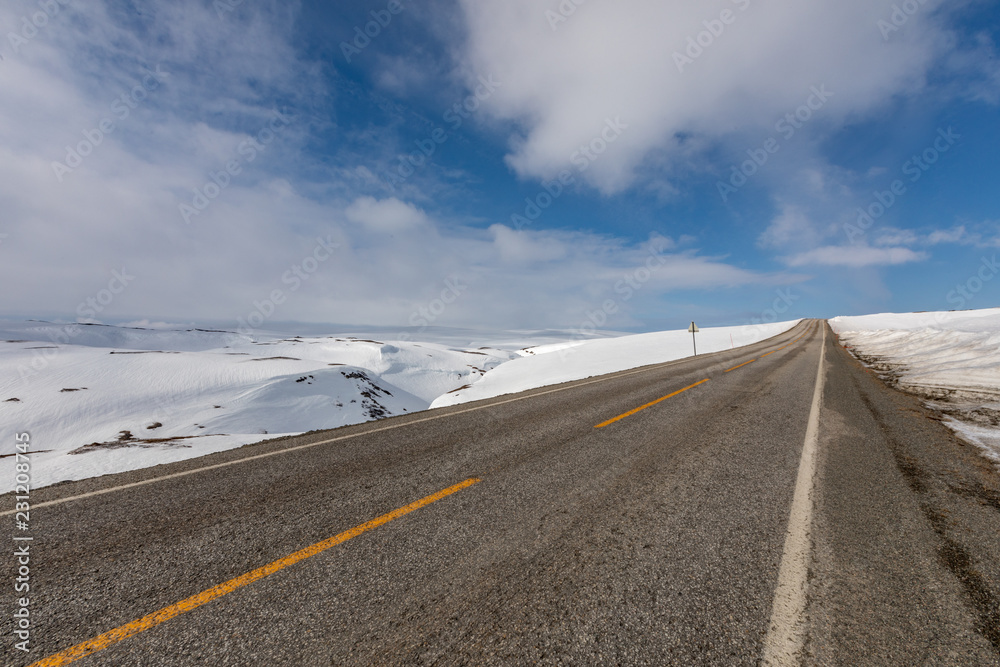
x: 126, y: 439
x: 34, y: 451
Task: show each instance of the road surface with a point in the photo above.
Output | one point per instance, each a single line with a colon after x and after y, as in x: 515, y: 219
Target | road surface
x: 558, y: 526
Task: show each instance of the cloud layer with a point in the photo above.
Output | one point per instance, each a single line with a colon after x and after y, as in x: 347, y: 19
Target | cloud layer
x: 187, y: 162
x: 670, y: 69
x: 188, y: 203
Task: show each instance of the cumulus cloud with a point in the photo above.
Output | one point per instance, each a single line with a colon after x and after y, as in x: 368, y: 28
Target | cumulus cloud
x: 566, y: 72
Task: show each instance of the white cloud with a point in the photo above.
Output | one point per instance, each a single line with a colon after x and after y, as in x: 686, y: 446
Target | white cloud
x: 612, y: 59
x: 146, y: 324
x: 892, y: 236
x: 954, y: 235
x: 389, y: 216
x: 792, y: 226
x: 334, y: 257
x: 402, y: 76
x: 526, y: 246
x: 855, y: 256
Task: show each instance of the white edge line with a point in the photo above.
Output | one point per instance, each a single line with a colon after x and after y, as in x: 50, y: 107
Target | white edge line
x: 787, y: 629
x: 310, y: 445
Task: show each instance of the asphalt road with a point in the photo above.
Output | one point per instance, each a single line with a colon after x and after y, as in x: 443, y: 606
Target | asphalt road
x: 655, y: 539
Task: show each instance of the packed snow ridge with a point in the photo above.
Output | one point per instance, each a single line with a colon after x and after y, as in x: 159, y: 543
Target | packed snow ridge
x: 100, y: 399
x: 951, y: 358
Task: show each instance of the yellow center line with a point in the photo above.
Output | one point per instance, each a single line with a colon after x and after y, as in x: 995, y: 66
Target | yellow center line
x: 152, y: 620
x: 680, y: 391
x: 650, y: 404
x: 741, y: 365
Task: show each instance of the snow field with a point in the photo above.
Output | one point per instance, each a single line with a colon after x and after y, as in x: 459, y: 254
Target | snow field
x: 102, y: 399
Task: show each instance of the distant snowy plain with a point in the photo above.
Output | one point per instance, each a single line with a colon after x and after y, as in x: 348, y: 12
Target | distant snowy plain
x: 100, y: 399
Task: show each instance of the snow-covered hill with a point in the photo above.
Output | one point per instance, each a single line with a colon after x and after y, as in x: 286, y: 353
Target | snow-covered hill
x: 99, y: 399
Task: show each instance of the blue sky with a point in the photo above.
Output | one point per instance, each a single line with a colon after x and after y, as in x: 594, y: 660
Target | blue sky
x: 497, y: 163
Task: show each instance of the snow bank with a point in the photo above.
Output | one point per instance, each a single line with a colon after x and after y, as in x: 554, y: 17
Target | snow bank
x: 942, y: 353
x: 576, y: 360
x: 949, y: 357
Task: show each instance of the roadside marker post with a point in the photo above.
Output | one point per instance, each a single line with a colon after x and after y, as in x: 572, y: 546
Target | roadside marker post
x: 694, y: 329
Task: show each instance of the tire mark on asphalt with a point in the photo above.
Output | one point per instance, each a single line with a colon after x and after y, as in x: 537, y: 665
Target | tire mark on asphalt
x: 951, y: 554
